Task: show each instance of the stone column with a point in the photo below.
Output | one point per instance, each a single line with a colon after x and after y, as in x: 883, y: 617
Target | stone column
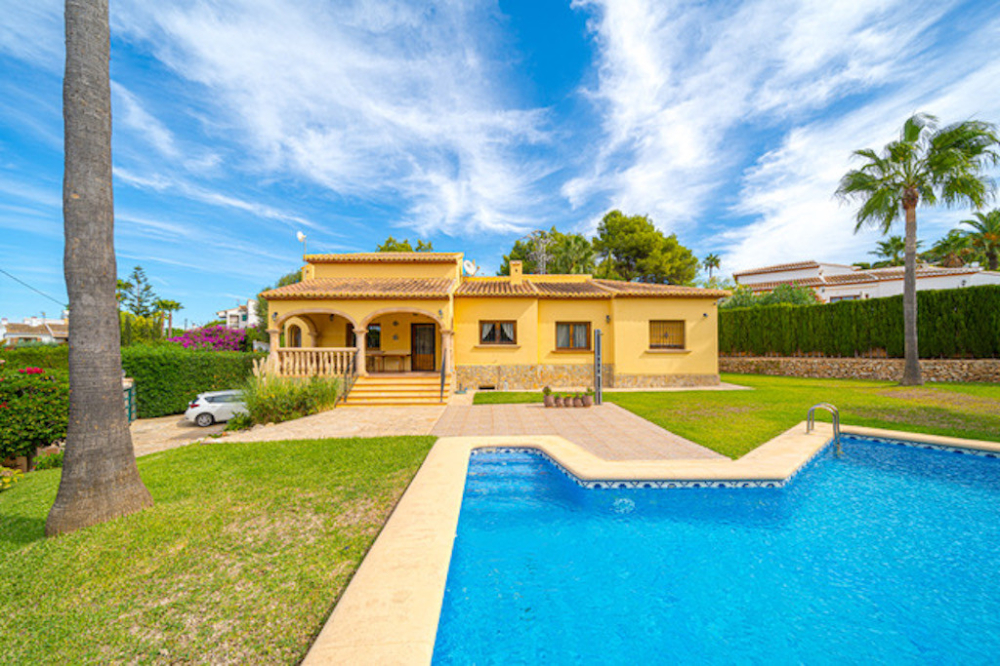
x: 361, y: 340
x: 448, y: 345
x: 272, y: 354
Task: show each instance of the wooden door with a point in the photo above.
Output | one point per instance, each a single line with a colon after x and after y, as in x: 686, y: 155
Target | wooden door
x: 422, y: 347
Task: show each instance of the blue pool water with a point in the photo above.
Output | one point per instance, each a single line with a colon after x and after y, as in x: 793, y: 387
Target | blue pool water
x: 889, y: 554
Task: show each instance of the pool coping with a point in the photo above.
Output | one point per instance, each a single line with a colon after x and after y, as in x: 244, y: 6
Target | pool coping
x: 389, y: 612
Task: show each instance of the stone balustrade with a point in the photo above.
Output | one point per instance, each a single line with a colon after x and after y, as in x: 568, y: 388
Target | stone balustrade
x: 314, y: 361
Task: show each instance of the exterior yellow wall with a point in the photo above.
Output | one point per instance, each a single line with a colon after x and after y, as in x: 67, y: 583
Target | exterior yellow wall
x: 551, y: 312
x: 359, y: 270
x: 631, y: 317
x: 470, y: 311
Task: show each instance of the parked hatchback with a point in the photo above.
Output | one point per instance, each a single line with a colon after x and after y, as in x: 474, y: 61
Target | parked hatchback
x: 215, y: 407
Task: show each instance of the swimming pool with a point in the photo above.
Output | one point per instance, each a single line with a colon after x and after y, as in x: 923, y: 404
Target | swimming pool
x: 889, y: 553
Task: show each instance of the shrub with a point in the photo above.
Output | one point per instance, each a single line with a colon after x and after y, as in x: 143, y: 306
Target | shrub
x: 34, y: 410
x: 8, y: 477
x: 951, y: 323
x: 49, y: 461
x: 239, y: 422
x: 47, y: 357
x: 213, y: 338
x: 167, y: 377
x: 277, y: 399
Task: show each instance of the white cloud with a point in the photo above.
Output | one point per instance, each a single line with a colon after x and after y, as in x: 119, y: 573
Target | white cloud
x: 135, y: 117
x: 790, y: 189
x: 372, y: 100
x: 683, y: 87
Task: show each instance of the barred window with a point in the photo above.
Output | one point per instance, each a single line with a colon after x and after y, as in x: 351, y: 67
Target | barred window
x: 666, y: 335
x: 573, y: 335
x: 498, y: 332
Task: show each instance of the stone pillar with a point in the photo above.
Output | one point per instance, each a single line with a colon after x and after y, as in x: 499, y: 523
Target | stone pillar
x: 448, y: 345
x: 272, y: 354
x: 361, y: 340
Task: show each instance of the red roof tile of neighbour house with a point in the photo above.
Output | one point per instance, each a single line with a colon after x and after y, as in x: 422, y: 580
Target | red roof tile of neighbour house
x: 496, y: 288
x: 648, y: 290
x: 385, y: 258
x: 778, y: 268
x: 57, y: 331
x: 800, y: 282
x: 363, y: 288
x: 864, y: 276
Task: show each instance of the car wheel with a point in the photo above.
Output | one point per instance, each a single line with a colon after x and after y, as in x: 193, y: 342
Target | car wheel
x: 204, y: 420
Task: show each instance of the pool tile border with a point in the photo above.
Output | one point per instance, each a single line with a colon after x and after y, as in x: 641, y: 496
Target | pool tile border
x: 389, y: 612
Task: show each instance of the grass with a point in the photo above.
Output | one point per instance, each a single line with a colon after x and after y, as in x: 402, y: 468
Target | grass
x: 240, y: 560
x: 735, y: 422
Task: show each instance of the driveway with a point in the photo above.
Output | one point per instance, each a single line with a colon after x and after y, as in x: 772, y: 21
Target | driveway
x: 167, y: 432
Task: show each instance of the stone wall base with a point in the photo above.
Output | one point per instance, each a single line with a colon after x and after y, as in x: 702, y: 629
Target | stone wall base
x: 881, y: 369
x: 664, y: 381
x: 535, y: 377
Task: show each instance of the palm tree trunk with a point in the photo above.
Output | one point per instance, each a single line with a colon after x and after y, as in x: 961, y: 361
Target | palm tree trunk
x: 99, y: 479
x: 992, y: 260
x: 911, y: 368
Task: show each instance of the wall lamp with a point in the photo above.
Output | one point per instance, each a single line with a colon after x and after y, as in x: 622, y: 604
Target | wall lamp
x: 607, y: 319
x: 274, y: 316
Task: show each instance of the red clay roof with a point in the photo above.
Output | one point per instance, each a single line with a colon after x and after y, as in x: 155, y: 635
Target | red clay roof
x: 778, y: 268
x: 647, y: 290
x: 865, y: 276
x: 42, y: 330
x: 385, y: 258
x: 496, y: 289
x: 586, y: 289
x: 362, y: 288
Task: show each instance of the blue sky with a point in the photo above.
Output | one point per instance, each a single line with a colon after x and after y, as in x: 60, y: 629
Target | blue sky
x: 239, y: 122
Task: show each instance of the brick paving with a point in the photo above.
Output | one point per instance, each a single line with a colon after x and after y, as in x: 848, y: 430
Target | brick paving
x: 607, y: 430
x: 349, y: 422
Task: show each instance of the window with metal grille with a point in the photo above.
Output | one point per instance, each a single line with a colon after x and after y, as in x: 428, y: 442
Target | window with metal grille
x: 573, y: 335
x: 666, y: 335
x: 498, y: 332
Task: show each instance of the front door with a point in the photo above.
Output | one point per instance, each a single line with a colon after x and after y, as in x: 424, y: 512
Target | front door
x: 422, y: 347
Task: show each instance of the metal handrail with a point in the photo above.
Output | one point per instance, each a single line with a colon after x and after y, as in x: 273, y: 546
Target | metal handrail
x: 811, y: 423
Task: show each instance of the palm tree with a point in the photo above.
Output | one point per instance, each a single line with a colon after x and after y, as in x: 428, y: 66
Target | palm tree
x: 99, y: 479
x: 891, y: 251
x: 573, y: 254
x: 162, y: 305
x: 710, y: 262
x: 927, y: 165
x: 951, y: 251
x: 985, y: 235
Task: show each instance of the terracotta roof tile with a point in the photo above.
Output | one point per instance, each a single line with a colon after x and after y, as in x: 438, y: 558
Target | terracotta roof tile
x: 362, y: 288
x: 778, y: 268
x: 385, y: 258
x: 495, y: 288
x: 865, y: 277
x: 801, y: 282
x: 646, y: 290
x: 571, y: 290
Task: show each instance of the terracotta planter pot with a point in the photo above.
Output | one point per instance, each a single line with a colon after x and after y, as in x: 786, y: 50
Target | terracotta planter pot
x: 588, y: 401
x: 550, y: 401
x: 578, y: 402
x: 558, y: 402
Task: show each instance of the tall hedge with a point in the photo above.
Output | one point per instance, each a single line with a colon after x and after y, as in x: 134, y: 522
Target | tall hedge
x: 951, y: 323
x: 47, y: 357
x: 167, y: 377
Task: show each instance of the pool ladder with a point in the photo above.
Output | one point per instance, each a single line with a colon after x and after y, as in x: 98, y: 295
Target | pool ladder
x: 811, y: 423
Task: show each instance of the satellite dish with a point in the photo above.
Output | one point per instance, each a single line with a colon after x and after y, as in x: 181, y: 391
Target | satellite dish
x: 301, y: 236
x: 470, y: 267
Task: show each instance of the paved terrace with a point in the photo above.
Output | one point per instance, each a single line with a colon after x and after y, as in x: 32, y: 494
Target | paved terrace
x: 607, y: 430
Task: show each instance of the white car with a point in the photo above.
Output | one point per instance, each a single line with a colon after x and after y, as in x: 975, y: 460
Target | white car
x: 215, y: 407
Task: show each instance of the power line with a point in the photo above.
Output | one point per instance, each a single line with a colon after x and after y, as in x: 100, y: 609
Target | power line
x: 37, y: 291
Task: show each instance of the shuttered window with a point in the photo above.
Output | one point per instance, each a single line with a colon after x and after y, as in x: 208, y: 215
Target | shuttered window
x: 573, y: 335
x: 498, y: 332
x: 666, y: 335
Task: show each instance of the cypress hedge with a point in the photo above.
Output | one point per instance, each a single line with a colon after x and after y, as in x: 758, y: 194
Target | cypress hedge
x: 951, y: 323
x: 167, y: 377
x: 47, y: 357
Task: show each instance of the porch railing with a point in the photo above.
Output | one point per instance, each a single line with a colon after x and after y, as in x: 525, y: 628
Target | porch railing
x: 316, y: 361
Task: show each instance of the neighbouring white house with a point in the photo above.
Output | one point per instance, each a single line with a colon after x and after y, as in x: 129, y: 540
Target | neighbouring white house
x: 241, y: 316
x: 839, y: 282
x: 34, y: 329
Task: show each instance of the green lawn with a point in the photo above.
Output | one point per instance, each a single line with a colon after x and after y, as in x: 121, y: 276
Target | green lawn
x: 734, y: 422
x: 240, y: 561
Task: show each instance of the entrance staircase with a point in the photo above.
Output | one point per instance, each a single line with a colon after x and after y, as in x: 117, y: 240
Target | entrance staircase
x: 398, y: 389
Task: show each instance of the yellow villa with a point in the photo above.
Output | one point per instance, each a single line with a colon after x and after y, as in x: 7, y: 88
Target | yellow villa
x: 400, y: 316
